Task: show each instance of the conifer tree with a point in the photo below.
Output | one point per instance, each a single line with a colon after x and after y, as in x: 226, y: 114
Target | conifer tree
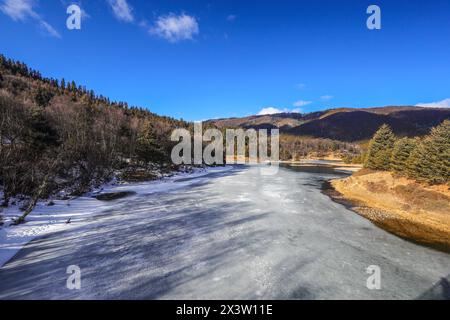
x: 401, y: 152
x: 43, y: 96
x: 148, y: 147
x: 380, y: 149
x: 430, y: 160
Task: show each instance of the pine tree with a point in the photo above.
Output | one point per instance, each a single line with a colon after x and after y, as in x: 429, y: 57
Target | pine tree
x: 430, y: 161
x: 43, y: 96
x: 401, y: 152
x: 148, y: 148
x: 39, y: 134
x: 380, y: 149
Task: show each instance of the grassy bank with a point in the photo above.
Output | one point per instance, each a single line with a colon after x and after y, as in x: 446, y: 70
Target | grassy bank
x: 402, y: 206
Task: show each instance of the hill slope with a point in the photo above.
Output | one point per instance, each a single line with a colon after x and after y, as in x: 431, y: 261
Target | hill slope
x: 346, y: 124
x: 281, y: 120
x: 57, y: 135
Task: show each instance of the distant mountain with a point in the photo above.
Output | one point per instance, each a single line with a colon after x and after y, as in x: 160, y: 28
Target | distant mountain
x: 346, y: 124
x: 280, y: 120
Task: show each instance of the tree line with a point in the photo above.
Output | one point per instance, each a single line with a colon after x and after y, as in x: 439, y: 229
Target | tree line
x: 296, y: 148
x: 424, y: 159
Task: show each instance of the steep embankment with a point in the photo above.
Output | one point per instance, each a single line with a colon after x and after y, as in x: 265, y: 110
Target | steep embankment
x: 404, y: 207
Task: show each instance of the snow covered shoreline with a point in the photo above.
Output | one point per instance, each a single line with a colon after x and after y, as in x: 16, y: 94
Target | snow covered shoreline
x: 46, y: 219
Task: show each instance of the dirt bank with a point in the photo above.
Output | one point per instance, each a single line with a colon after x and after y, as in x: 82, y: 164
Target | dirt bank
x: 404, y: 207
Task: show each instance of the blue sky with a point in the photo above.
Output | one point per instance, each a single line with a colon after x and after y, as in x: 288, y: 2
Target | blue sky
x: 208, y: 59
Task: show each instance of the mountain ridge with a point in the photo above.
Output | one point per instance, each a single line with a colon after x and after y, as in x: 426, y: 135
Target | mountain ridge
x: 345, y: 124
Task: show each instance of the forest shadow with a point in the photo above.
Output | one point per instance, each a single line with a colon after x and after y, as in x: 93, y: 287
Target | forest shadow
x: 440, y: 291
x: 138, y: 250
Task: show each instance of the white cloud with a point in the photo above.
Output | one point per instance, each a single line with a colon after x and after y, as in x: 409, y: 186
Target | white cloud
x: 21, y: 10
x: 175, y: 28
x: 439, y: 104
x: 301, y: 103
x: 301, y: 86
x: 144, y: 24
x: 272, y: 110
x: 49, y: 29
x: 269, y: 110
x: 122, y: 10
x: 231, y: 17
x: 326, y: 97
x: 18, y: 10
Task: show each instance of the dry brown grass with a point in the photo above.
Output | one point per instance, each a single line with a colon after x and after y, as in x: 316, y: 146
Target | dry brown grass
x: 137, y: 175
x: 363, y: 172
x: 409, y: 209
x: 418, y: 197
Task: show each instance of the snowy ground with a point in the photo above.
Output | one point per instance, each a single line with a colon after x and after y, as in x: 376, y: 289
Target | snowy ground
x: 225, y: 235
x: 46, y: 219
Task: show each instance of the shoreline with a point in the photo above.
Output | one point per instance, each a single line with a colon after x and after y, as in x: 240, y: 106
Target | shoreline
x: 410, y: 224
x: 335, y: 164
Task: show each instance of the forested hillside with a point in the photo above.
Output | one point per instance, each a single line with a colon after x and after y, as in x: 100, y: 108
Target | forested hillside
x: 56, y: 134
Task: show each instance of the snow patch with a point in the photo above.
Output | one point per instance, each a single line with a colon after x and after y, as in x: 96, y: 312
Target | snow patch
x: 46, y: 219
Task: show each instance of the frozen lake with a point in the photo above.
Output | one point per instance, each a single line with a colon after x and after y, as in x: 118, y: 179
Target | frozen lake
x: 228, y: 235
